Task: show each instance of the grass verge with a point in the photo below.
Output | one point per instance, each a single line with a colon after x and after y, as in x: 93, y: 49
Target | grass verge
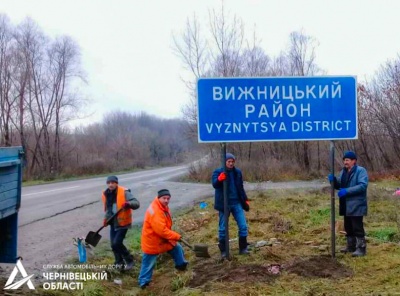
x: 290, y: 241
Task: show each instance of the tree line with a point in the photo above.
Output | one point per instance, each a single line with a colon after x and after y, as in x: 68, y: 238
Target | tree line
x: 124, y: 141
x: 40, y: 80
x: 37, y: 76
x: 221, y: 48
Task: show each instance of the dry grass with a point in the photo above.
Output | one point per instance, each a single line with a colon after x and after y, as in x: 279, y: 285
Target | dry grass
x: 298, y: 222
x: 283, y: 170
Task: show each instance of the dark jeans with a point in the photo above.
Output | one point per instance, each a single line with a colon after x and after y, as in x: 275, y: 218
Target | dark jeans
x: 354, y: 226
x: 120, y: 251
x: 238, y: 213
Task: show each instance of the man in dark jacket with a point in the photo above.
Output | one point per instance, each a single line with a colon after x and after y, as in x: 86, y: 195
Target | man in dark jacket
x: 237, y: 202
x: 120, y: 201
x: 352, y: 184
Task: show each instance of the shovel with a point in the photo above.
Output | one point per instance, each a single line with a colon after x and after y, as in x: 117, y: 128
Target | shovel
x: 201, y: 250
x: 93, y: 238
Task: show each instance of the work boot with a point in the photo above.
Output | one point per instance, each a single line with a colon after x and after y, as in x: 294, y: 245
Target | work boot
x: 221, y: 246
x: 181, y: 267
x: 351, y: 245
x: 243, y: 246
x: 129, y: 263
x: 361, y: 247
x: 144, y: 286
x: 118, y: 262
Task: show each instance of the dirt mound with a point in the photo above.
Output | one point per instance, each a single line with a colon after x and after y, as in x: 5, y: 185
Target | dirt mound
x: 230, y: 272
x: 319, y: 266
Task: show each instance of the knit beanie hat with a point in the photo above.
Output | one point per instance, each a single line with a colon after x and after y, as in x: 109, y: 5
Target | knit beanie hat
x: 163, y: 192
x: 112, y: 179
x: 349, y: 154
x: 229, y: 156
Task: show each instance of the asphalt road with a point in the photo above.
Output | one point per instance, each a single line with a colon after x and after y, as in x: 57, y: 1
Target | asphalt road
x: 52, y: 215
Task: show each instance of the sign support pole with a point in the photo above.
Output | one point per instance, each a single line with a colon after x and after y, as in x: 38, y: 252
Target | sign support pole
x: 226, y: 209
x: 333, y: 237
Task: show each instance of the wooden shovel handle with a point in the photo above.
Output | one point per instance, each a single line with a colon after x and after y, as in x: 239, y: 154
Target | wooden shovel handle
x: 186, y: 243
x: 109, y: 219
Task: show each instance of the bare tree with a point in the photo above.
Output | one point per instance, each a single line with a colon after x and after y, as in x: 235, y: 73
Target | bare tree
x: 378, y: 118
x: 386, y: 103
x: 191, y: 48
x: 42, y: 74
x: 31, y: 43
x: 64, y: 66
x: 39, y: 95
x: 220, y: 56
x: 256, y: 63
x: 7, y: 98
x: 228, y: 37
x: 301, y: 56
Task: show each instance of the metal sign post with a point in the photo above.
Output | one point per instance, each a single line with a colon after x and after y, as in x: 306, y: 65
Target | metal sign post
x: 226, y: 208
x: 333, y: 237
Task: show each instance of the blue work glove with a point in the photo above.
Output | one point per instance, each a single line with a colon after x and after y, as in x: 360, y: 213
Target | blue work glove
x: 331, y: 177
x: 342, y: 192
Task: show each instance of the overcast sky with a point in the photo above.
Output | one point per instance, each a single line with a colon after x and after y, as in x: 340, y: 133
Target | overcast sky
x: 127, y: 52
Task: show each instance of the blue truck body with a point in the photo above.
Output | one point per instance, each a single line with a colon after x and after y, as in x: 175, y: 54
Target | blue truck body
x: 11, y: 159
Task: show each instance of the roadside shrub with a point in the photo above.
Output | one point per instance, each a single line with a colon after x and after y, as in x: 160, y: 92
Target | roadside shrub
x: 384, y: 175
x: 260, y: 171
x: 97, y: 166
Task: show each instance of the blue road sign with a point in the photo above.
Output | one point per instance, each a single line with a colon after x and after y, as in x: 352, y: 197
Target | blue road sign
x: 277, y: 109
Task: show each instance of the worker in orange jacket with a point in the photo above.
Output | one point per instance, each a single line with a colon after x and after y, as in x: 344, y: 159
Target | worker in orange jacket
x: 114, y: 198
x: 157, y: 237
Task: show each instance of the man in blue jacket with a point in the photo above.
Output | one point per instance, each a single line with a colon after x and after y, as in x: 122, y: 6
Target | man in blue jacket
x: 237, y: 202
x: 352, y: 184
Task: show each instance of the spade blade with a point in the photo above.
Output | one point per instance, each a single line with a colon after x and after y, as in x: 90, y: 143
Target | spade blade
x: 93, y: 238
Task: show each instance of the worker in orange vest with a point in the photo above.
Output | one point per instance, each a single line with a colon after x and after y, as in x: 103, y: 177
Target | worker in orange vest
x: 114, y: 198
x: 157, y: 238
